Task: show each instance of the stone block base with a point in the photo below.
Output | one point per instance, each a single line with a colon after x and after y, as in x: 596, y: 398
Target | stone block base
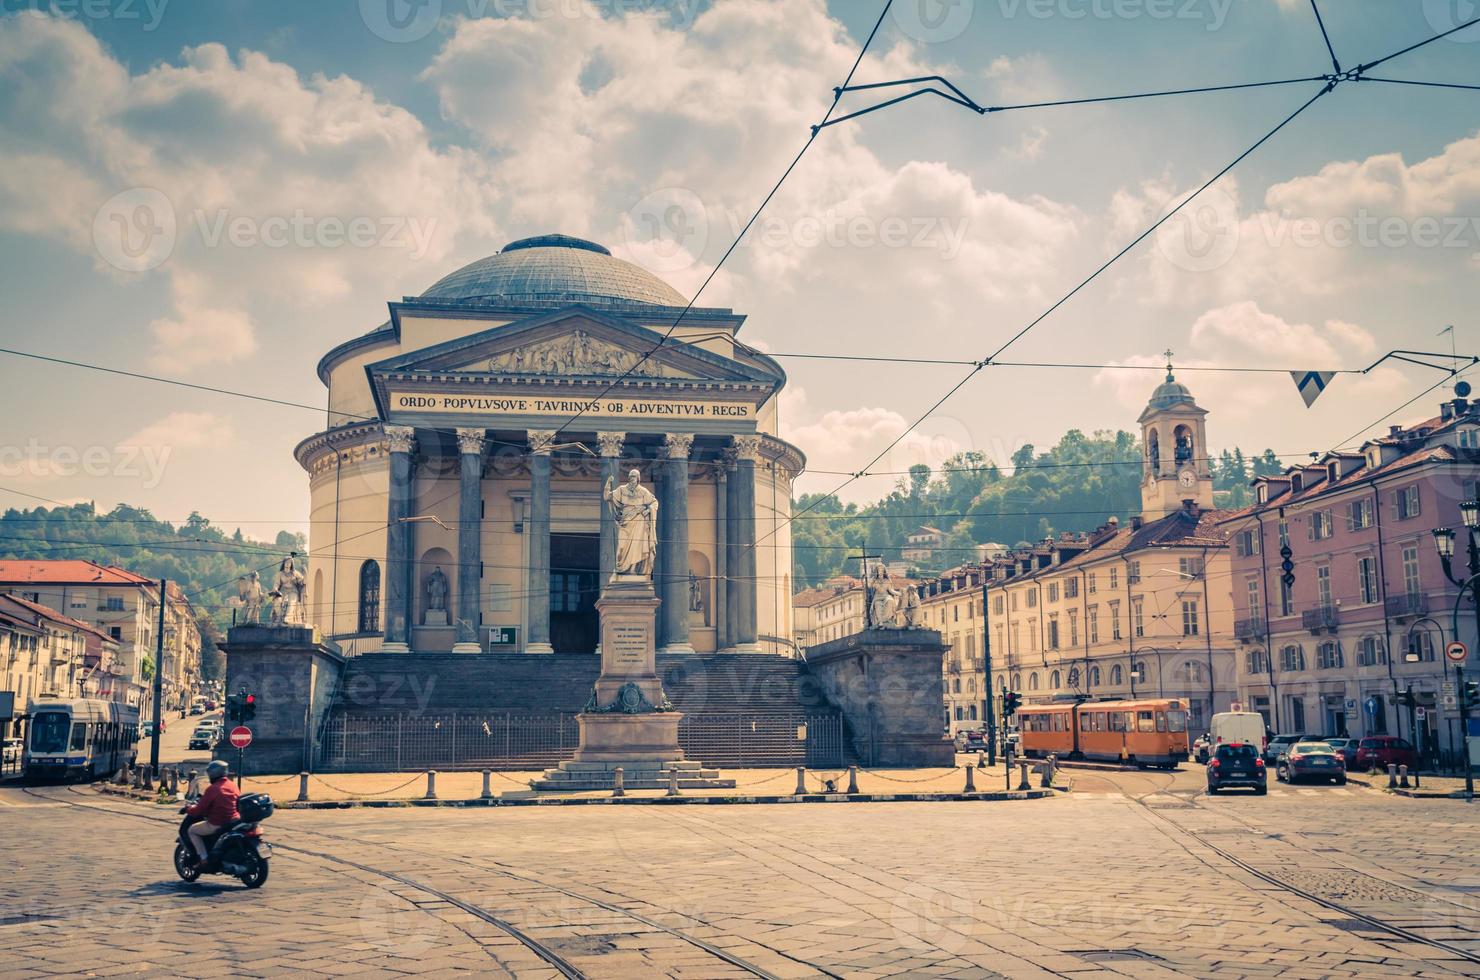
x: 575, y: 777
x: 615, y: 737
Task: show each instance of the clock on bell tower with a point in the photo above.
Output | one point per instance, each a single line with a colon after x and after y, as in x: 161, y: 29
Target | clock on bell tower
x: 1176, y: 467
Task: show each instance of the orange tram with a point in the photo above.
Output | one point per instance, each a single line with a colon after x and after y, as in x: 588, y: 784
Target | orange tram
x: 1142, y: 733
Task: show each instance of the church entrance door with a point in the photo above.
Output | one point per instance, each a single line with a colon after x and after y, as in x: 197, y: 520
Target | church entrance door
x: 575, y: 562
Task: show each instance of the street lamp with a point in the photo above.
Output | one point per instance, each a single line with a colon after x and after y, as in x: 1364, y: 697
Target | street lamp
x: 1444, y: 544
x: 1469, y: 511
x: 1469, y: 514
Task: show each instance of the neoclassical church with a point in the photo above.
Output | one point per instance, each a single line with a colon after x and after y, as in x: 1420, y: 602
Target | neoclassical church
x: 457, y: 490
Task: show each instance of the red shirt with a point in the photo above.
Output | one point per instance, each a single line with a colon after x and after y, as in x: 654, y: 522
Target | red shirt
x: 217, y: 805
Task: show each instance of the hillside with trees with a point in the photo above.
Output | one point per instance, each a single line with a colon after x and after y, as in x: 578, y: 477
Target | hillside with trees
x: 1075, y: 485
x: 204, y: 560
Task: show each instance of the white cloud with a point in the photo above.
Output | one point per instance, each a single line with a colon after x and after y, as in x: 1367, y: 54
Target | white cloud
x: 184, y: 430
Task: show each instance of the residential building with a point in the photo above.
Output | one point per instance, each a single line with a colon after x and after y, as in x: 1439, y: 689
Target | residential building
x: 48, y: 654
x: 922, y: 544
x: 1370, y: 609
x: 124, y: 607
x: 828, y: 612
x: 952, y: 605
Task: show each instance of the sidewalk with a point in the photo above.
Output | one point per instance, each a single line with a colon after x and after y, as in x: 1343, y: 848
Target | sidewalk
x: 751, y: 785
x: 1430, y: 788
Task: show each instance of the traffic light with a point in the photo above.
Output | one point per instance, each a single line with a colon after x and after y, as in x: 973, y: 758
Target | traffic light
x: 233, y: 708
x: 249, y: 707
x: 1287, y: 567
x: 1010, y: 702
x: 1470, y: 694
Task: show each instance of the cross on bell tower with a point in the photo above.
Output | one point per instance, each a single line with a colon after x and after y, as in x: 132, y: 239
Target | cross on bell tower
x: 1176, y: 465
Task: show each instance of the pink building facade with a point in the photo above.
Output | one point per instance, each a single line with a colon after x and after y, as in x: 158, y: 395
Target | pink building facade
x: 1369, y: 611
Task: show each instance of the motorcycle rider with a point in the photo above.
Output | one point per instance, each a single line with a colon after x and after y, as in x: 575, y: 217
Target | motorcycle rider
x: 215, y: 809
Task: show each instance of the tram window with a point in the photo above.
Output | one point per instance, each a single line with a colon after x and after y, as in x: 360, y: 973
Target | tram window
x: 1161, y: 721
x: 79, y: 736
x: 1176, y: 721
x: 1145, y: 722
x: 49, y: 732
x: 1084, y: 722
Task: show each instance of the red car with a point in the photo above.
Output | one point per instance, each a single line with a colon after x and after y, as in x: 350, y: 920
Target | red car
x: 1380, y: 750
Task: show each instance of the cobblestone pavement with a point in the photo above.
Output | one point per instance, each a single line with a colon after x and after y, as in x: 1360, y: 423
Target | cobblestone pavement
x: 1129, y: 875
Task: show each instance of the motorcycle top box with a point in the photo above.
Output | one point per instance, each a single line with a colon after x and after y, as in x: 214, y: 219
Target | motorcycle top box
x: 255, y: 807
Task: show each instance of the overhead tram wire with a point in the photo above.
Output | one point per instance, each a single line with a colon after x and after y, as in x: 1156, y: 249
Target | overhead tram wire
x: 837, y: 94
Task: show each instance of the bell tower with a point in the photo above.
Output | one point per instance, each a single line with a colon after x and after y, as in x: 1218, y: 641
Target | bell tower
x: 1175, y: 463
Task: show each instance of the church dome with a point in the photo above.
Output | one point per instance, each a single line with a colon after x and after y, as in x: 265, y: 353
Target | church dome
x: 1170, y: 392
x: 554, y: 270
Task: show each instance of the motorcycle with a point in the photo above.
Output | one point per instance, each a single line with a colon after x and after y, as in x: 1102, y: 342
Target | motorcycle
x: 237, y: 849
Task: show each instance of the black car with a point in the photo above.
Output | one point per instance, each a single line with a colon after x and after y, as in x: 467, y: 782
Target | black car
x: 1279, y: 744
x: 204, y: 738
x: 1237, y: 764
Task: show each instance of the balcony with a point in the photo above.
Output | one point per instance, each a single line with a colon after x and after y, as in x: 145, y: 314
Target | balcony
x: 954, y: 667
x: 1319, y: 618
x: 1251, y: 628
x: 1403, y: 606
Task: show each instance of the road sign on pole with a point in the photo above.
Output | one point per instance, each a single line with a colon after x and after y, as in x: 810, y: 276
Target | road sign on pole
x: 1456, y: 652
x: 1420, y: 713
x: 241, y: 737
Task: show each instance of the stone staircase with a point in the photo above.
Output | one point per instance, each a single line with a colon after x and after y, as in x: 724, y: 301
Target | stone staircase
x: 517, y: 711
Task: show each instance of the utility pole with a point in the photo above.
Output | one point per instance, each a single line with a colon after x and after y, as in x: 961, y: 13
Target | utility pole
x: 987, y: 667
x: 164, y: 585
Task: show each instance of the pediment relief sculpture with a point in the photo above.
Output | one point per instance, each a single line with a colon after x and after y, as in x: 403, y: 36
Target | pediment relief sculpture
x: 576, y: 353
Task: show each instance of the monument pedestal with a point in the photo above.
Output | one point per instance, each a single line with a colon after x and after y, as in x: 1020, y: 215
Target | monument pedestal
x: 629, y: 722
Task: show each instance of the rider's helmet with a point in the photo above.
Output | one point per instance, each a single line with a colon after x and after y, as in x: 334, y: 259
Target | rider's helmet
x: 216, y: 770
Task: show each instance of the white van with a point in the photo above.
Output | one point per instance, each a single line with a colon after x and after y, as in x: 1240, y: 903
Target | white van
x: 1237, y: 726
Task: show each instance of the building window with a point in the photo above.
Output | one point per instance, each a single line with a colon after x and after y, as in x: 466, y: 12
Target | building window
x: 1014, y: 602
x: 1115, y: 620
x: 1074, y: 627
x: 114, y: 603
x: 1422, y: 643
x: 997, y: 604
x: 1361, y: 514
x: 1094, y: 676
x: 1292, y: 658
x: 1053, y: 592
x: 1411, y: 585
x: 1054, y: 681
x: 1138, y: 619
x: 1287, y: 599
x: 1074, y: 678
x: 1323, y: 585
x: 1033, y: 638
x: 1190, y: 567
x: 1089, y: 582
x: 1251, y: 588
x: 1033, y: 681
x: 1320, y: 525
x: 1370, y: 652
x: 1053, y: 633
x: 1328, y: 655
x: 1405, y: 502
x: 1255, y: 662
x: 1071, y: 588
x: 1189, y: 617
x: 116, y: 632
x: 1117, y: 676
x: 1367, y: 579
x: 1132, y: 572
x: 1192, y: 671
x: 1284, y: 534
x: 1032, y: 598
x: 1114, y: 579
x: 1247, y: 544
x: 370, y: 597
x: 1469, y: 438
x: 1094, y: 624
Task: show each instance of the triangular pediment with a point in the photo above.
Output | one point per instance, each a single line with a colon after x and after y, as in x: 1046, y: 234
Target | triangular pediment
x: 575, y: 343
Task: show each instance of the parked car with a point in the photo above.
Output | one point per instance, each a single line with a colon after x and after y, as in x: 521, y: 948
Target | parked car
x: 205, y: 737
x: 13, y: 749
x: 972, y: 740
x: 1237, y: 764
x: 1310, y: 760
x: 1277, y: 744
x: 1201, y: 747
x: 1238, y: 726
x: 1380, y: 750
x: 1346, y: 748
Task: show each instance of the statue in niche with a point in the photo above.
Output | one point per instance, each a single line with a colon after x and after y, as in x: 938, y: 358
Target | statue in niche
x: 635, y: 511
x: 436, y: 598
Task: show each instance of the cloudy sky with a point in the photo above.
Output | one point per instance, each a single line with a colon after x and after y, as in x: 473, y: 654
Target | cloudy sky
x: 220, y: 192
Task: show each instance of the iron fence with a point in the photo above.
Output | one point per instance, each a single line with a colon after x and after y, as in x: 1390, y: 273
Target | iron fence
x: 539, y: 741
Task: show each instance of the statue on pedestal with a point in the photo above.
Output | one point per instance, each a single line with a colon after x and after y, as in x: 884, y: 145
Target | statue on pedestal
x: 288, y: 591
x: 891, y: 607
x: 249, y: 597
x: 635, y: 511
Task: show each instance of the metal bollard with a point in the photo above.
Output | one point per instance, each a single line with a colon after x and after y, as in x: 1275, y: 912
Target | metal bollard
x: 981, y: 760
x: 619, y: 782
x: 487, y: 793
x: 148, y: 784
x: 673, y: 782
x: 970, y: 780
x: 120, y: 778
x: 1403, y: 777
x: 801, y: 780
x: 303, y: 787
x: 1023, y: 782
x: 853, y: 779
x: 431, y: 785
x: 1392, y: 775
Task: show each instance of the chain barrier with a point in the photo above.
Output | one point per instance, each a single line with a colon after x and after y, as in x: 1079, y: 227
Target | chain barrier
x: 823, y: 779
x: 769, y: 779
x: 895, y: 779
x: 419, y: 777
x: 260, y: 781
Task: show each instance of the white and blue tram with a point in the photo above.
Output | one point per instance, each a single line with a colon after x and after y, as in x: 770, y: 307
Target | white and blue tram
x: 81, y: 739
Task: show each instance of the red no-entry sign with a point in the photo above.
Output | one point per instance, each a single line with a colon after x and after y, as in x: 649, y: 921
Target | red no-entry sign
x: 241, y: 737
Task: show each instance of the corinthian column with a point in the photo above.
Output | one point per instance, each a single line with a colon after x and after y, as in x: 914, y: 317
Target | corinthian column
x: 469, y: 538
x: 673, y: 540
x: 742, y: 570
x: 611, y: 472
x: 399, y: 541
x: 537, y: 587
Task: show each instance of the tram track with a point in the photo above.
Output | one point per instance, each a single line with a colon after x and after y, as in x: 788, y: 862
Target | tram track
x: 546, y: 951
x: 1171, y: 828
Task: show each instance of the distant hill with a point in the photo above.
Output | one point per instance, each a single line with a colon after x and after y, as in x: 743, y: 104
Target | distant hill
x: 1073, y: 486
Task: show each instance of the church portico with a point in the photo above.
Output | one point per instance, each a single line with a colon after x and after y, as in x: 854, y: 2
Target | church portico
x: 490, y: 448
